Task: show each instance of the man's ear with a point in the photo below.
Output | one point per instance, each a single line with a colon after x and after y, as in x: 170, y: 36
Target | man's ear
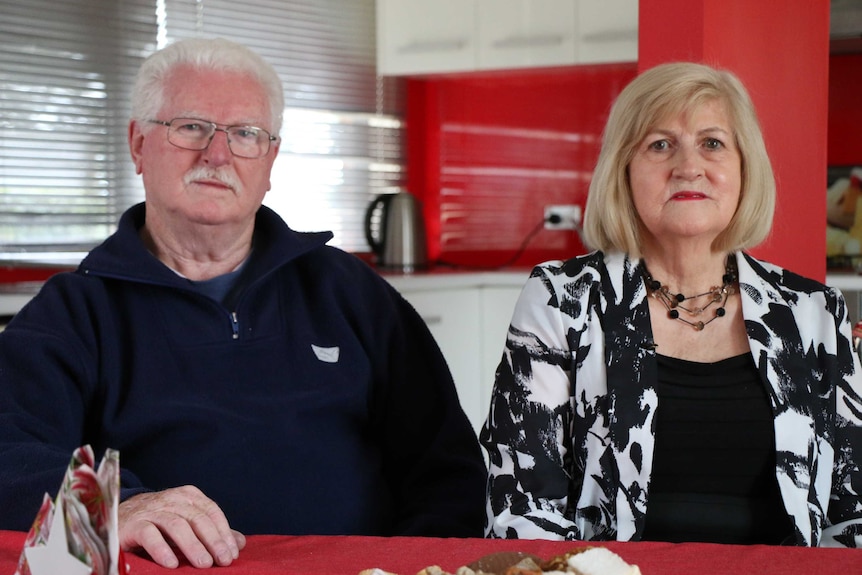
x: 136, y: 144
x: 274, y: 151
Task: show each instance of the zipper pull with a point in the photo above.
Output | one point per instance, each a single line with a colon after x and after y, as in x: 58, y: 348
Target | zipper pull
x: 234, y: 324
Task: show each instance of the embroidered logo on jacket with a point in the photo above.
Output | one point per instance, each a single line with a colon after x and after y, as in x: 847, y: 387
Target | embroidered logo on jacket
x: 326, y: 354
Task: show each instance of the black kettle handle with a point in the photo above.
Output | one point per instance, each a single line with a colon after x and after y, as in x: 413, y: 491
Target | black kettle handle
x: 377, y: 243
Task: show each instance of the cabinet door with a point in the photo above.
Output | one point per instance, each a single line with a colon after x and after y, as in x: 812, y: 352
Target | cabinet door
x: 607, y: 31
x: 498, y: 303
x: 425, y: 36
x: 523, y: 33
x: 452, y: 316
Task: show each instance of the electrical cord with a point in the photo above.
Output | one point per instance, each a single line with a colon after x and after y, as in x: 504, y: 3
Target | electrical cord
x: 554, y: 219
x: 551, y: 219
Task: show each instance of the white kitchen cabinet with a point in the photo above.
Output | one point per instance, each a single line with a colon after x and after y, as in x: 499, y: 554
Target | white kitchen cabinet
x: 607, y: 31
x: 452, y: 316
x: 497, y: 303
x: 524, y: 33
x: 440, y: 36
x: 468, y: 315
x: 423, y: 36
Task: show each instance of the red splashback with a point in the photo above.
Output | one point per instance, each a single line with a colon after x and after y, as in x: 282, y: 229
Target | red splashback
x: 487, y: 152
x: 15, y: 274
x: 845, y: 110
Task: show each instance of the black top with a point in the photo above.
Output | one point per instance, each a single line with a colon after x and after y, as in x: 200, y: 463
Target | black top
x: 713, y: 476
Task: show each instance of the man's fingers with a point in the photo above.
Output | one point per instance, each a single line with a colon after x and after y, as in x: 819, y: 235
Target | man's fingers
x: 220, y: 546
x: 239, y: 538
x: 222, y: 543
x: 144, y: 535
x: 182, y: 519
x: 187, y: 539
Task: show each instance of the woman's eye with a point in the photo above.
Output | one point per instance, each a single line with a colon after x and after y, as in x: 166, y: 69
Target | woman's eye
x: 659, y: 145
x: 713, y: 144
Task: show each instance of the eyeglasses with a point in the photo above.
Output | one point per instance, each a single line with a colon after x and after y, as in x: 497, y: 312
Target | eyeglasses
x: 194, y: 134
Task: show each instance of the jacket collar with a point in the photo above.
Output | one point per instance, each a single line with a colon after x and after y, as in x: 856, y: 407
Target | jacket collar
x: 124, y: 256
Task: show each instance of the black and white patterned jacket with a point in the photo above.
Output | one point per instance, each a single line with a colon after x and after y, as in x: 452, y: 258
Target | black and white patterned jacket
x: 570, y: 429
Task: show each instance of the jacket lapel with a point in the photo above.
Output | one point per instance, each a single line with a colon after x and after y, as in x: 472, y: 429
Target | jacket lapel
x: 631, y: 373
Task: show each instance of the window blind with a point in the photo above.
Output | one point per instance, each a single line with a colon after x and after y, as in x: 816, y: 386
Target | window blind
x: 66, y: 70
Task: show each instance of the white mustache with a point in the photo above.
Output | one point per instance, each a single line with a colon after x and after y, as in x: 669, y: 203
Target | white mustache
x: 203, y: 173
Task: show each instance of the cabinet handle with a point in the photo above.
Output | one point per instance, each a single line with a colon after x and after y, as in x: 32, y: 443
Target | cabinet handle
x: 432, y: 319
x: 529, y: 41
x: 432, y: 46
x: 612, y: 36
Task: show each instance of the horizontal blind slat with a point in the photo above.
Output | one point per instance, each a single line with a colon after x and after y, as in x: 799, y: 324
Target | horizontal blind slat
x: 66, y: 69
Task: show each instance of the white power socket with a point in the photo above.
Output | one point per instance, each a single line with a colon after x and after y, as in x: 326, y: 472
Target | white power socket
x: 562, y: 217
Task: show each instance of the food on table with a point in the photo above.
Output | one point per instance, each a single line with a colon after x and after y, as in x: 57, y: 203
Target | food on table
x: 500, y: 562
x: 581, y: 561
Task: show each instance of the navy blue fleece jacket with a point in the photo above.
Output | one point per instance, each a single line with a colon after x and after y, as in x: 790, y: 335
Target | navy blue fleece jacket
x: 318, y: 404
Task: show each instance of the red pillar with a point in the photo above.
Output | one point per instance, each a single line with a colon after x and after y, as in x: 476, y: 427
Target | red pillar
x: 780, y: 50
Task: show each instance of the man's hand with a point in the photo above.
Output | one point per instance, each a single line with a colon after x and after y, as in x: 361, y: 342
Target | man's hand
x: 180, y: 518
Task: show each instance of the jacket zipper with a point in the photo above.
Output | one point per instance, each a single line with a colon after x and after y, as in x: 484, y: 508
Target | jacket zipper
x: 234, y: 318
x: 234, y: 324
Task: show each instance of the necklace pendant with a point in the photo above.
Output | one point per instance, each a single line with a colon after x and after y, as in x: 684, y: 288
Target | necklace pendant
x: 674, y: 302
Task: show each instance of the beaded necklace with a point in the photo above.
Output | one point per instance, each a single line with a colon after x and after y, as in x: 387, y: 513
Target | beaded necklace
x: 673, y: 302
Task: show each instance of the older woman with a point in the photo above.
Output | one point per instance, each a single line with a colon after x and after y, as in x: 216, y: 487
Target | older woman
x: 669, y: 386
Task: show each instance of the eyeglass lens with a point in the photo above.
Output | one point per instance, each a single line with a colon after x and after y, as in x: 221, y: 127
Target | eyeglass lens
x: 194, y: 134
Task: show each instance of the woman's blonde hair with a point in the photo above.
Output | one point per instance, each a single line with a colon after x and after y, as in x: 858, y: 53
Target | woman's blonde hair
x: 610, y: 220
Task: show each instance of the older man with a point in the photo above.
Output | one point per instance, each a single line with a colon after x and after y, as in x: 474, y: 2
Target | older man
x: 253, y: 379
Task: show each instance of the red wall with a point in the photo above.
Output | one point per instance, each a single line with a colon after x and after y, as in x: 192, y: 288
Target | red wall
x: 782, y: 56
x: 845, y: 110
x: 487, y: 152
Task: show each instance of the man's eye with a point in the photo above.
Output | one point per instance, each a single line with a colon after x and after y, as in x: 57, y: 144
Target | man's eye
x: 190, y: 127
x: 246, y: 132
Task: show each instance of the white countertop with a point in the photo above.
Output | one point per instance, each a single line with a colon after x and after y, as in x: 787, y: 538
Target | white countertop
x: 454, y: 279
x: 844, y: 281
x: 13, y: 297
x: 516, y: 278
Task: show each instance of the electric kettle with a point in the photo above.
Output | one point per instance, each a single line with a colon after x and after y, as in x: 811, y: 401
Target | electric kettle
x: 398, y: 238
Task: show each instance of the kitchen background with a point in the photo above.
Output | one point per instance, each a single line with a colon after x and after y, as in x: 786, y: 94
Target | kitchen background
x: 486, y: 146
x: 486, y: 110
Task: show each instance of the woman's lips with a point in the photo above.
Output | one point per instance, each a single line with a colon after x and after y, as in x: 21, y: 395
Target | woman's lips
x: 688, y: 196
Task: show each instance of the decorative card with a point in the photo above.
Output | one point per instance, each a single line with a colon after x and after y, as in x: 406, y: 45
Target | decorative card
x: 77, y: 533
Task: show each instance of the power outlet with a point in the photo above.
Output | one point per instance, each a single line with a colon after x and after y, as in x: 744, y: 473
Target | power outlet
x: 563, y: 217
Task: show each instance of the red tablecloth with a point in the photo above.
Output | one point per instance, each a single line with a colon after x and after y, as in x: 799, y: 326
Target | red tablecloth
x: 314, y: 555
